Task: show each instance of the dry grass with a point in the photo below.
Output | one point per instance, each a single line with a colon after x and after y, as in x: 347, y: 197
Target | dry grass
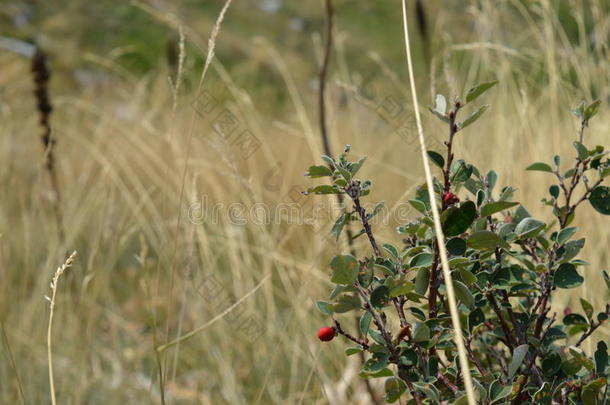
x: 123, y: 170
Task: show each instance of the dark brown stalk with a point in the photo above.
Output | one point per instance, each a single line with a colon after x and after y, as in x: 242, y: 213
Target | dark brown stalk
x: 503, y: 324
x: 41, y: 75
x: 422, y: 26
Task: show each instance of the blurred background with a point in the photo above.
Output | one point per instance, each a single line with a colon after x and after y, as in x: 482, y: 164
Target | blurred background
x: 182, y: 196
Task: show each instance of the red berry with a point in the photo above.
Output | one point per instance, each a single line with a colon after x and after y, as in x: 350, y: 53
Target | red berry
x: 449, y: 198
x: 326, y: 334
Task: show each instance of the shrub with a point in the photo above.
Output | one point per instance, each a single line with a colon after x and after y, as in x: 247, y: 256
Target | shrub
x: 506, y: 267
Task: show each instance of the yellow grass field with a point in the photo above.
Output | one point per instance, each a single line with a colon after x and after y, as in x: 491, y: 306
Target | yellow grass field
x: 174, y: 223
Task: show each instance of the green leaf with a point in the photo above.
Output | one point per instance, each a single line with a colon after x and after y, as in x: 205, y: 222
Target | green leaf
x: 494, y: 207
x: 324, y: 307
x: 456, y: 246
x: 457, y: 220
x: 492, y: 179
x: 353, y: 350
x: 391, y: 249
x: 528, y: 228
x: 565, y: 234
x: 346, y: 303
x: 518, y: 356
x: 581, y: 149
x: 475, y: 318
x: 572, y: 248
x: 331, y: 162
x: 339, y: 224
x: 421, y: 260
x: 463, y: 294
x: 571, y: 366
x: 540, y: 166
x: 376, y: 363
x: 587, y: 307
x: 551, y: 364
x: 474, y: 116
x: 591, y: 110
x: 601, y: 357
x: 421, y: 194
x: 554, y: 191
x: 591, y: 391
x: 574, y: 319
x: 421, y: 332
x: 365, y: 323
x: 345, y: 173
x: 582, y: 358
x: 600, y: 199
x: 566, y: 276
x: 324, y: 189
x: 437, y: 158
x: 460, y: 171
x: 404, y: 288
x: 318, y: 171
x: 354, y: 167
x: 485, y: 240
x: 418, y: 205
x: 498, y: 391
x: 421, y: 281
x: 479, y: 89
x: 467, y: 277
x: 385, y: 372
x: 344, y: 269
x: 380, y: 296
x: 394, y: 388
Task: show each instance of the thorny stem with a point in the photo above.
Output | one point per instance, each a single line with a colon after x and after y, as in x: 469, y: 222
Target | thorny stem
x: 564, y: 218
x: 367, y: 226
x: 394, y: 353
x: 327, y: 148
x: 453, y: 130
x: 474, y: 359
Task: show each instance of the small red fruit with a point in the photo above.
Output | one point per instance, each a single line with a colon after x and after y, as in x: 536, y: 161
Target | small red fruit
x: 326, y: 334
x: 449, y: 198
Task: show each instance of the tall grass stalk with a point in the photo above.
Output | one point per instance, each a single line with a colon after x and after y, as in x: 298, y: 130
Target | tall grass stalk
x: 60, y: 271
x: 455, y: 318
